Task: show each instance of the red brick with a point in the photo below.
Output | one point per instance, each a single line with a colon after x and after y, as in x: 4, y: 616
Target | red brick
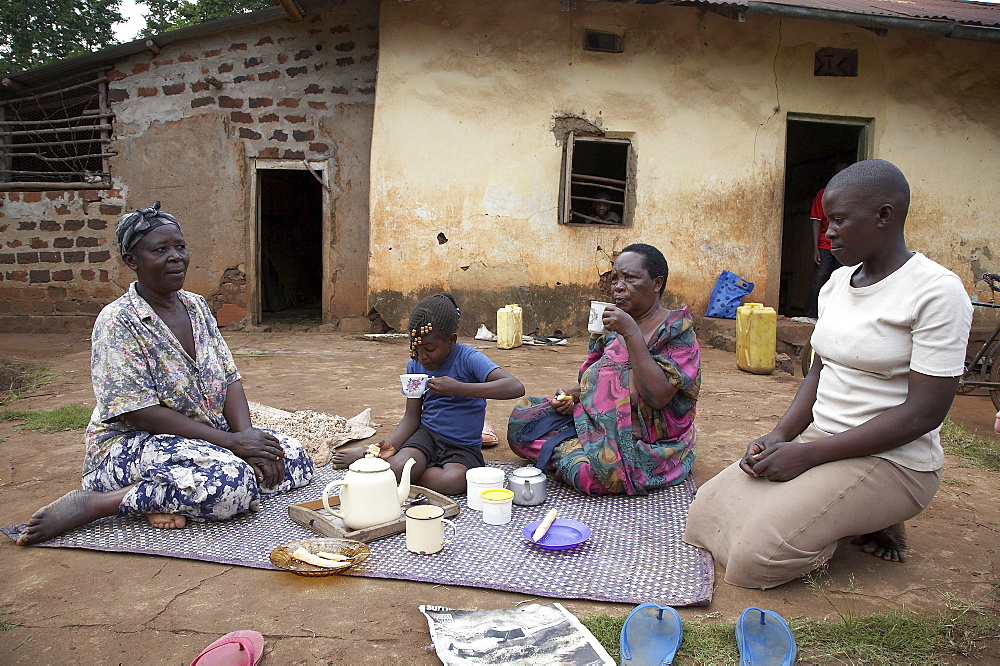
x: 268, y: 118
x: 319, y: 147
x: 147, y: 92
x: 91, y: 307
x: 225, y: 68
x: 295, y: 71
x: 313, y: 89
x: 103, y: 276
x: 343, y: 62
x: 230, y: 313
x: 86, y: 241
x: 110, y: 209
x: 199, y: 86
x: 345, y: 46
x: 174, y: 89
x: 268, y: 76
x: 279, y: 135
x: 289, y: 102
x: 257, y: 102
x: 318, y: 105
x: 8, y: 257
x: 14, y: 243
x: 63, y: 275
x: 97, y: 223
x: 31, y: 197
x: 38, y: 276
x: 202, y: 101
x: 74, y: 257
x: 17, y: 276
x: 307, y: 135
x: 62, y: 242
x: 27, y: 225
x: 251, y: 62
x: 88, y: 274
x: 294, y: 155
x: 230, y: 102
x: 186, y: 57
x: 282, y: 58
x: 238, y: 47
x: 117, y: 95
x: 264, y: 40
x: 164, y: 63
x: 91, y: 195
x: 99, y: 257
x: 241, y: 117
x: 52, y: 196
x: 115, y: 75
x: 27, y: 257
x: 267, y: 153
x: 73, y: 225
x: 303, y: 55
x: 140, y: 68
x: 213, y: 53
x: 49, y: 257
x: 295, y: 119
x: 247, y: 133
x: 37, y: 243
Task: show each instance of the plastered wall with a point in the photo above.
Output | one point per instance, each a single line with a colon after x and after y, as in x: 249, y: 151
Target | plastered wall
x: 463, y: 146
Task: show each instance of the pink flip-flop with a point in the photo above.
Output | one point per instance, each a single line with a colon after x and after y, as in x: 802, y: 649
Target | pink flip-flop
x: 237, y: 648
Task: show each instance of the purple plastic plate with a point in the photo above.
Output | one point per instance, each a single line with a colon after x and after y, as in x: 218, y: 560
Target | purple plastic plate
x: 563, y: 534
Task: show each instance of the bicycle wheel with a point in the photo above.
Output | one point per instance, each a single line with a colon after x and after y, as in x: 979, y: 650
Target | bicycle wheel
x: 992, y: 361
x: 806, y: 358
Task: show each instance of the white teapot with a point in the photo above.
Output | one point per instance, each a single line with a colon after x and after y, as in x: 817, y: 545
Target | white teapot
x: 368, y: 493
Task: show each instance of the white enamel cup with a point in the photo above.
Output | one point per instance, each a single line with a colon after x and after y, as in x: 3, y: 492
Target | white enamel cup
x: 479, y: 479
x: 425, y: 529
x: 596, y: 322
x: 414, y: 386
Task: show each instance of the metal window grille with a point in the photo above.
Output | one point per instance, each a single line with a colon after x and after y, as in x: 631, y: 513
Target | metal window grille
x: 56, y: 136
x: 592, y: 166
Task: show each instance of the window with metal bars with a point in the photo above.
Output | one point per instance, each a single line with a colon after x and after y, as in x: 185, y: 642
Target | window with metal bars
x: 56, y: 136
x: 597, y: 187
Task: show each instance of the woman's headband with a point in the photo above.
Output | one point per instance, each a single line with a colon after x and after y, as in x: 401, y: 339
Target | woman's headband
x: 132, y: 227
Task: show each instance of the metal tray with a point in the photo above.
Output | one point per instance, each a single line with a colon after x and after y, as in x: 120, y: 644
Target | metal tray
x: 314, y: 516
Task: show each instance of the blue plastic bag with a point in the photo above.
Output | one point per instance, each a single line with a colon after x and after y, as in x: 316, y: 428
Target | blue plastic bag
x: 727, y: 295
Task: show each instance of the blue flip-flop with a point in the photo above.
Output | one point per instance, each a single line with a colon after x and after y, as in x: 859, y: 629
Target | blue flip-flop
x: 651, y: 635
x: 764, y: 639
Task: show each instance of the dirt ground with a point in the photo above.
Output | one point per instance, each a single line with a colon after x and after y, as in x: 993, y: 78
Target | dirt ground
x: 109, y: 608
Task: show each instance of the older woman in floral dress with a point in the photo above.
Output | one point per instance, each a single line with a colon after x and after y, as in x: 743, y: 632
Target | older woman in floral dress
x: 171, y: 436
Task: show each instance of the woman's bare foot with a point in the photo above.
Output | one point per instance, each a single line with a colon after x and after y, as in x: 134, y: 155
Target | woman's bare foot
x: 889, y: 544
x: 71, y: 510
x: 342, y: 458
x: 166, y: 521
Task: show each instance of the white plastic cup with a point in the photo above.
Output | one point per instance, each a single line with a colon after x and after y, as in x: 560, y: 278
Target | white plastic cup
x: 497, y: 505
x: 479, y: 479
x: 425, y: 529
x: 414, y: 386
x: 596, y: 322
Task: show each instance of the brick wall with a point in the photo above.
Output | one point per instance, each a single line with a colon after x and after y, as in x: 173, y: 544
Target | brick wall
x: 57, y: 254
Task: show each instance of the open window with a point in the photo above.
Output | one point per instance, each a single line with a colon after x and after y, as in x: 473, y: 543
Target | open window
x: 597, y: 182
x: 55, y: 136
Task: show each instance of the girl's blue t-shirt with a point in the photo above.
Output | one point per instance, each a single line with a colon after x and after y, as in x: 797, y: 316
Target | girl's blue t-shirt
x: 458, y: 420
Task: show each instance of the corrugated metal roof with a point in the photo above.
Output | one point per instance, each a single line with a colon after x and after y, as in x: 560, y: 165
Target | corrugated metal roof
x: 959, y: 11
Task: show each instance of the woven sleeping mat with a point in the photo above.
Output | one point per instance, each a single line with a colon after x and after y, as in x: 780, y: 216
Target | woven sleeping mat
x: 635, y: 553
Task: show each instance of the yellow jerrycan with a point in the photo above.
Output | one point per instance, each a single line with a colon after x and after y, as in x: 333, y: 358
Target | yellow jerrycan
x: 756, y: 337
x: 509, y: 326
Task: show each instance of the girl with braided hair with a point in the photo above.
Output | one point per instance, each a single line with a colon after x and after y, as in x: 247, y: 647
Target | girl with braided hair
x: 442, y: 431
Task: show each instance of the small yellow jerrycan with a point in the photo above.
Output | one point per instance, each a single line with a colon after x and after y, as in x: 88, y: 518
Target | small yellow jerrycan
x: 756, y: 336
x: 509, y: 326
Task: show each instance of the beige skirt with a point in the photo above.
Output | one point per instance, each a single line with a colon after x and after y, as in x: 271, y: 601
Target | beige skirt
x: 766, y: 533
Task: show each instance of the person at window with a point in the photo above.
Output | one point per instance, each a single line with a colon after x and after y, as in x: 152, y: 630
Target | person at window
x: 171, y: 437
x: 602, y: 208
x: 633, y: 411
x: 858, y: 450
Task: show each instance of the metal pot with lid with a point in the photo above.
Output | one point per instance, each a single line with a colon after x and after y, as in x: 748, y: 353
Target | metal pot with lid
x: 528, y: 484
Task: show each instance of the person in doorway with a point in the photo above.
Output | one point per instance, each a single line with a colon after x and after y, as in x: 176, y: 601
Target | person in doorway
x: 443, y: 430
x: 826, y: 263
x: 602, y: 208
x: 858, y: 450
x: 171, y: 437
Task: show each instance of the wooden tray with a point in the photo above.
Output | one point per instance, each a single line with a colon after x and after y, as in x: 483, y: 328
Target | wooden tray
x: 314, y: 516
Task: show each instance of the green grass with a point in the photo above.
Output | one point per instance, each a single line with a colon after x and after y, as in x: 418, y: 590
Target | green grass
x: 70, y: 417
x: 19, y: 382
x: 979, y: 452
x: 889, y: 637
x: 4, y: 624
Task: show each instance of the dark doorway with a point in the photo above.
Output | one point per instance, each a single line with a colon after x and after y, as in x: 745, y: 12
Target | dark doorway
x: 813, y: 148
x: 291, y: 246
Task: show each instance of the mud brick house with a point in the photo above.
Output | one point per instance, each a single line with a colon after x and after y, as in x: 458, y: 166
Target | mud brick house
x: 348, y: 157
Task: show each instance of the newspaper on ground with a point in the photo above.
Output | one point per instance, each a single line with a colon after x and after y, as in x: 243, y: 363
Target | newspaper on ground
x: 529, y: 634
